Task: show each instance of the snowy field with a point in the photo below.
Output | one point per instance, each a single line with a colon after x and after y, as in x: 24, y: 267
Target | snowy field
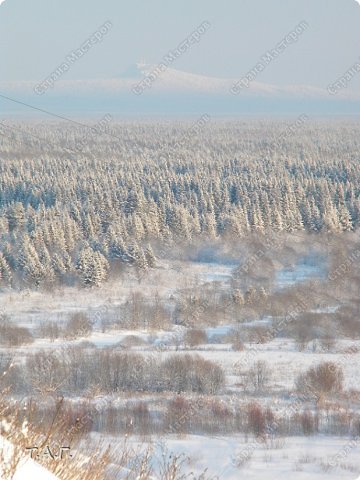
x: 232, y: 456
x: 295, y: 458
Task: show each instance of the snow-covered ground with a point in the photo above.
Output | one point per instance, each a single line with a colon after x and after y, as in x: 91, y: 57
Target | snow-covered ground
x: 298, y: 458
x: 300, y: 272
x: 293, y: 458
x: 27, y: 469
x: 238, y: 457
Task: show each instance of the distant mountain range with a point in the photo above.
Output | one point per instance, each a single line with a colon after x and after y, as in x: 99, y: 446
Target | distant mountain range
x: 146, y: 89
x: 176, y: 81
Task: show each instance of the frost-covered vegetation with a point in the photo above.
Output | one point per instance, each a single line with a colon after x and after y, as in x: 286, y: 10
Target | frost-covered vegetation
x: 73, y: 217
x: 221, y: 308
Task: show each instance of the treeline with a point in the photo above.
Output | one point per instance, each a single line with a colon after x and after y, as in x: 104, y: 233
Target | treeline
x: 72, y: 217
x: 115, y: 388
x: 77, y: 371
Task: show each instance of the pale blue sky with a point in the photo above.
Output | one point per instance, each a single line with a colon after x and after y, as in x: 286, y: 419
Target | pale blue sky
x: 35, y: 36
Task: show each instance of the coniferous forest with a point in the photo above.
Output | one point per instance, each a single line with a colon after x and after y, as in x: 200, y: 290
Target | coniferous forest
x: 72, y: 212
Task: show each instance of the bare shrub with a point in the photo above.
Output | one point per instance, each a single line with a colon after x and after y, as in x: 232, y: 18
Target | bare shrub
x: 256, y: 419
x: 220, y: 411
x: 303, y: 331
x: 12, y: 335
x: 309, y: 422
x: 133, y: 311
x: 238, y: 345
x: 133, y: 341
x: 46, y: 372
x: 325, y: 378
x: 236, y: 339
x: 86, y: 344
x: 195, y: 337
x: 158, y: 316
x: 192, y: 373
x: 141, y: 417
x: 259, y: 376
x: 178, y: 415
x: 173, y: 467
x: 259, y: 334
x: 328, y: 343
x: 79, y: 325
x: 348, y: 321
x: 51, y: 330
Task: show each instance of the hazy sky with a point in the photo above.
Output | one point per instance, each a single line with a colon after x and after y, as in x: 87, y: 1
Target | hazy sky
x: 36, y: 35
